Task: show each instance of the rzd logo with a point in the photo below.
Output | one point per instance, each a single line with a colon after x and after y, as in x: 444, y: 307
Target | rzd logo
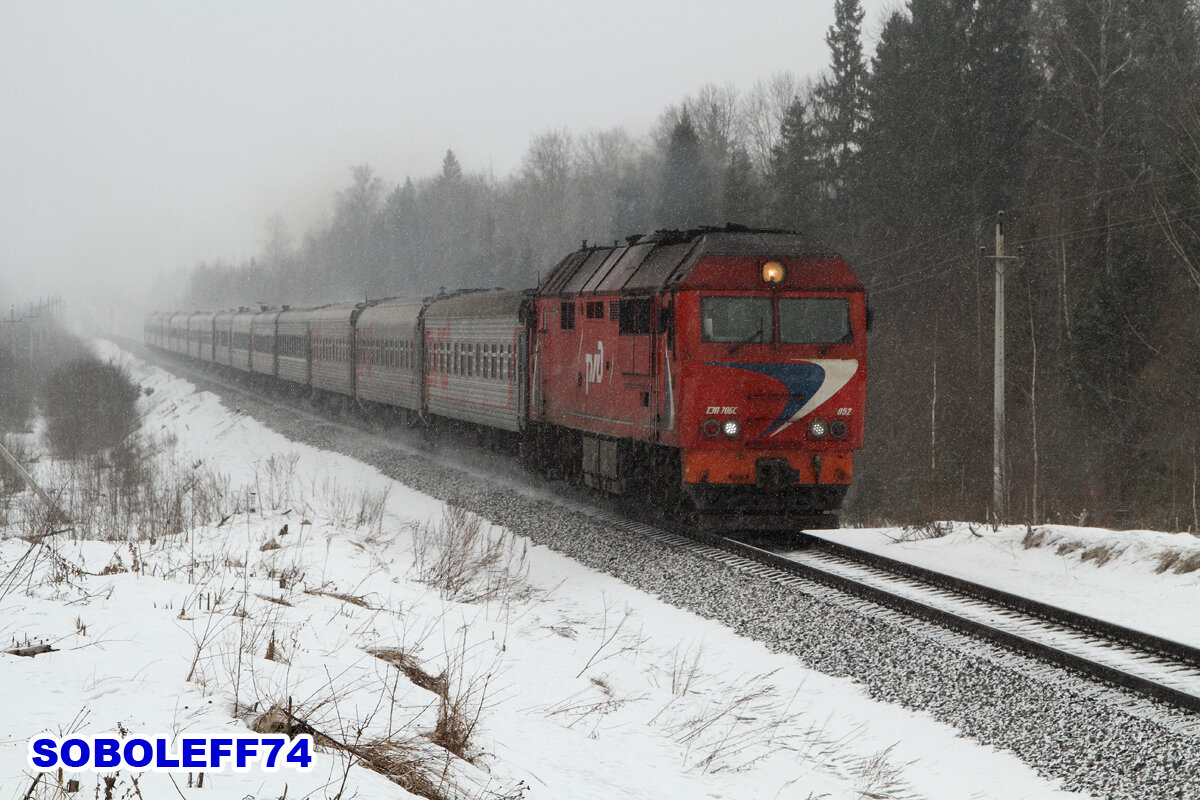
x: 593, y: 366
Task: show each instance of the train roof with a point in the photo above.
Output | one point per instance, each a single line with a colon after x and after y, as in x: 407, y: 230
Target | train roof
x: 397, y: 311
x: 649, y: 263
x: 478, y: 303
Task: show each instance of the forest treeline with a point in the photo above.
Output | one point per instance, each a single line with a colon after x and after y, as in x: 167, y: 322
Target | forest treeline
x: 1078, y: 118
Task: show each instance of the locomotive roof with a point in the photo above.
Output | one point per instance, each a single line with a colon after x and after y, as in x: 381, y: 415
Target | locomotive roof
x: 649, y: 263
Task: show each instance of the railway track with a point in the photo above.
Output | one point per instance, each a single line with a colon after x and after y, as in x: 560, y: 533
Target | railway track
x: 1156, y: 668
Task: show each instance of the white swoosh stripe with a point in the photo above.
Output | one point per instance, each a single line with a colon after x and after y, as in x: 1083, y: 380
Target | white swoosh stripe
x: 838, y: 372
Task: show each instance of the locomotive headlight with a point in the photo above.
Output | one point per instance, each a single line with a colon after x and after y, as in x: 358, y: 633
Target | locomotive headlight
x: 731, y: 427
x: 774, y: 273
x: 817, y: 428
x: 710, y: 427
x: 838, y: 429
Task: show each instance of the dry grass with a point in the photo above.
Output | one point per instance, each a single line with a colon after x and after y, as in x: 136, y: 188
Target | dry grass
x: 1167, y: 560
x: 352, y: 599
x: 1178, y: 563
x: 1034, y: 537
x: 1101, y: 554
x: 462, y: 560
x: 923, y: 531
x: 406, y: 663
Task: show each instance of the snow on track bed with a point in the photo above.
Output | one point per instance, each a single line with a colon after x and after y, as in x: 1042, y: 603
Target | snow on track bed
x: 1094, y: 739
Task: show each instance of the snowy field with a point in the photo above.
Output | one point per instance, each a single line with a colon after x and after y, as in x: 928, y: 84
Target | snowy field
x: 379, y: 622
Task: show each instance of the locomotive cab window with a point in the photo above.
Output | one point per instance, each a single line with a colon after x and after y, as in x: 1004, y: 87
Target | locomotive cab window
x: 814, y: 320
x: 736, y: 319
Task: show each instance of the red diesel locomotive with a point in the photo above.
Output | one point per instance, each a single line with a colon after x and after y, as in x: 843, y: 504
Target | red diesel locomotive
x: 727, y: 366
x: 719, y: 373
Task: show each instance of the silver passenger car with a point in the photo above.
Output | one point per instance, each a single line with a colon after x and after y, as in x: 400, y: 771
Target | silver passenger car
x: 200, y: 335
x: 262, y: 342
x: 292, y: 346
x: 239, y: 351
x: 475, y: 372
x: 154, y: 330
x: 387, y: 353
x: 331, y: 339
x: 177, y: 333
x: 222, y: 337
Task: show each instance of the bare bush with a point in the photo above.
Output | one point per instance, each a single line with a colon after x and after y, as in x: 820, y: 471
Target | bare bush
x: 130, y: 494
x: 16, y: 392
x: 462, y: 560
x: 89, y: 406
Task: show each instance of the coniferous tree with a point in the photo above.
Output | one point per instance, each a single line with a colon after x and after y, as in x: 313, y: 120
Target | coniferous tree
x: 684, y: 192
x: 842, y: 96
x: 795, y: 170
x: 1000, y: 84
x: 742, y: 190
x: 451, y: 169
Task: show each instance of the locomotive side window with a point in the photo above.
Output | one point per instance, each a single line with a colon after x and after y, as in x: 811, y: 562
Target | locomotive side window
x: 634, y: 317
x: 567, y: 316
x: 736, y: 319
x: 814, y: 320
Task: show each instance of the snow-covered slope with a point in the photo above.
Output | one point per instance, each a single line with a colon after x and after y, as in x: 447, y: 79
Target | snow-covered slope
x: 577, y: 685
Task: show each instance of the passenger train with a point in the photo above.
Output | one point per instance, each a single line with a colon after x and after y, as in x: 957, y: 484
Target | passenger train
x: 717, y: 373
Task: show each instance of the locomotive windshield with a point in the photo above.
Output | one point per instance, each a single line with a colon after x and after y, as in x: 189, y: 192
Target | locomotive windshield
x: 736, y: 319
x: 802, y: 320
x: 814, y: 320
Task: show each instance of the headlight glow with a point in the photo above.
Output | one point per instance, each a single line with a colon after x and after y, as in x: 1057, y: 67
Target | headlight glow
x: 774, y: 273
x: 817, y: 428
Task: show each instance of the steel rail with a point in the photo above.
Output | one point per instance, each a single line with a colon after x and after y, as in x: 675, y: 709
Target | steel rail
x: 1131, y: 637
x: 1155, y: 649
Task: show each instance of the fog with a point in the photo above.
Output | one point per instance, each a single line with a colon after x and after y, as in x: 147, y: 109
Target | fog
x: 140, y: 138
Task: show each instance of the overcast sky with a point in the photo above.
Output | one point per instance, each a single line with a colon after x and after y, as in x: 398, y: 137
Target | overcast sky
x: 140, y: 137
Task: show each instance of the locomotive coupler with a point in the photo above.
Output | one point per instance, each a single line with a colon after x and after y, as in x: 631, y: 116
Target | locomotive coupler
x: 774, y: 473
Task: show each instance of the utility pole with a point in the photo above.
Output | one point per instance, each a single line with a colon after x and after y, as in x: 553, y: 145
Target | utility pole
x: 998, y: 477
x: 56, y: 513
x: 998, y: 380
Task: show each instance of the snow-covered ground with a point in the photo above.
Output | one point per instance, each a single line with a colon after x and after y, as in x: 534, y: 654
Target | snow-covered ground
x: 576, y: 685
x: 1145, y: 580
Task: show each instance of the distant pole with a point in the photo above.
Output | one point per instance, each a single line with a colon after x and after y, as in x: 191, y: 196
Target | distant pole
x: 998, y: 477
x: 56, y: 513
x: 998, y: 380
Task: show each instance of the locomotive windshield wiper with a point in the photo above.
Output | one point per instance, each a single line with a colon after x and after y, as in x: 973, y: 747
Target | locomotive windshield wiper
x: 758, y: 334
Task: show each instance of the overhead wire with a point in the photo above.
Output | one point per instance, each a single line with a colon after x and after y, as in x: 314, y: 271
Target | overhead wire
x: 929, y: 271
x: 916, y: 274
